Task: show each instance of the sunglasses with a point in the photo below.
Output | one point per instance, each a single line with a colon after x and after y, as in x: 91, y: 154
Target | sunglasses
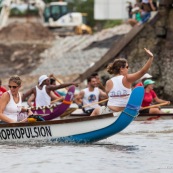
x: 126, y: 67
x: 12, y: 86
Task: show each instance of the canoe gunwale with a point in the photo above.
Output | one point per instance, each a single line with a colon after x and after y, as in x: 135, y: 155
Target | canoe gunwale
x: 146, y: 114
x: 61, y: 121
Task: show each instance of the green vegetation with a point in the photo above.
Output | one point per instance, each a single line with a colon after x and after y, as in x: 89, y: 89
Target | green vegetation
x: 28, y: 12
x: 111, y: 23
x: 84, y: 7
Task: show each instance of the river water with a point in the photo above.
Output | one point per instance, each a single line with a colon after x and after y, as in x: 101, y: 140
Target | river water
x: 143, y: 147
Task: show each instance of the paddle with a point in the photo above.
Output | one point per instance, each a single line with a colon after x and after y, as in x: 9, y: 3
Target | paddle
x: 58, y: 81
x: 70, y: 110
x: 153, y: 106
x: 95, y: 103
x: 56, y: 100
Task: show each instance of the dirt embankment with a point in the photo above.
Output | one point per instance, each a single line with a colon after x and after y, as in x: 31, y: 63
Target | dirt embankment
x: 26, y: 49
x: 25, y: 33
x: 20, y: 46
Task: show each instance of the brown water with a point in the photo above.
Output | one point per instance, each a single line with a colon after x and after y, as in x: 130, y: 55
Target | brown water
x: 143, y: 147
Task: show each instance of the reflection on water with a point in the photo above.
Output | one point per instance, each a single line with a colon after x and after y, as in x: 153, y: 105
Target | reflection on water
x: 142, y: 147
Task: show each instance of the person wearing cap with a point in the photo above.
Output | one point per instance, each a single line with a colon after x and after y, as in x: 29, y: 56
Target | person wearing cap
x: 54, y: 95
x: 43, y: 91
x: 151, y: 96
x: 137, y: 12
x: 143, y: 78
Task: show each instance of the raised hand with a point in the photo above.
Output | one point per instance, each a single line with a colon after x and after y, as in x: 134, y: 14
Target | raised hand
x: 149, y: 52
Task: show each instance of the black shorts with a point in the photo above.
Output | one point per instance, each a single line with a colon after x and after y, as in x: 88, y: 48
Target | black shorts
x: 88, y: 111
x: 144, y: 111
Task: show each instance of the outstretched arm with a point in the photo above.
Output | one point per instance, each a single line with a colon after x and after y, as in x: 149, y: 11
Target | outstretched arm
x: 158, y: 100
x: 135, y: 76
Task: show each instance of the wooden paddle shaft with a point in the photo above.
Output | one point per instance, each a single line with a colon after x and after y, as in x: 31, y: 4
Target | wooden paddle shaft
x: 59, y: 81
x: 153, y: 106
x: 56, y: 100
x: 95, y: 103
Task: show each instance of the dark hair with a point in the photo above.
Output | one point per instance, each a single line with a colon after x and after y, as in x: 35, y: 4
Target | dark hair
x: 143, y: 80
x: 114, y: 68
x: 16, y: 79
x: 94, y: 74
x: 90, y: 78
x: 52, y: 81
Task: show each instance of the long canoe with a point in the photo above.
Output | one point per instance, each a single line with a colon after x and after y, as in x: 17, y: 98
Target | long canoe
x: 77, y: 130
x: 168, y: 114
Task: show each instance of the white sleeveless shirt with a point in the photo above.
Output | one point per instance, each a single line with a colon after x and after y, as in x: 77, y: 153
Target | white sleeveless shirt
x: 91, y: 97
x: 42, y: 98
x: 13, y: 109
x: 119, y: 94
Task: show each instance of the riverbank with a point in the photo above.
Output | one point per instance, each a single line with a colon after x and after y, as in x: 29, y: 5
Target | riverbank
x: 30, y: 54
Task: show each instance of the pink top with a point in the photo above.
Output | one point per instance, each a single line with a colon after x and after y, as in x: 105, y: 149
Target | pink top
x: 148, y: 98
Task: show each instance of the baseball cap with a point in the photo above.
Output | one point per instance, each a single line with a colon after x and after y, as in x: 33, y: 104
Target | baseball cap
x: 146, y: 75
x: 42, y: 78
x: 148, y: 82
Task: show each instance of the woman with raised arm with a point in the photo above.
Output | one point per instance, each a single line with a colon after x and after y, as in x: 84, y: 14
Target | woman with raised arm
x: 118, y: 87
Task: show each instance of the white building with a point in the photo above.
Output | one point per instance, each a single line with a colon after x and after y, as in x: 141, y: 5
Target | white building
x: 111, y: 9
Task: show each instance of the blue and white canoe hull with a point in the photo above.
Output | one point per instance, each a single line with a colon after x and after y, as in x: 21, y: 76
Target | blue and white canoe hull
x: 77, y: 130
x: 95, y: 130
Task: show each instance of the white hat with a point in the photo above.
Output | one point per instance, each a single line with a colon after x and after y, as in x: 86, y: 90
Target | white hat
x: 42, y: 78
x: 146, y: 75
x: 135, y: 9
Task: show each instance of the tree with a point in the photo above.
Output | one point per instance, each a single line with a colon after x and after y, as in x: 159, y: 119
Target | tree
x: 86, y: 6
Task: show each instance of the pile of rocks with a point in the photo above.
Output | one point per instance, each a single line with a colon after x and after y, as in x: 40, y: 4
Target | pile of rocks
x: 75, y: 54
x: 32, y: 50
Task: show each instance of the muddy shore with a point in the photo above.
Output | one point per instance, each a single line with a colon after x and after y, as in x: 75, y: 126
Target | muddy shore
x: 30, y: 50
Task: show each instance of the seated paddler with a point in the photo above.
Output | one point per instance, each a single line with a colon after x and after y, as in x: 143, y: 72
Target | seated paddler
x: 43, y: 90
x: 88, y: 98
x: 11, y: 103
